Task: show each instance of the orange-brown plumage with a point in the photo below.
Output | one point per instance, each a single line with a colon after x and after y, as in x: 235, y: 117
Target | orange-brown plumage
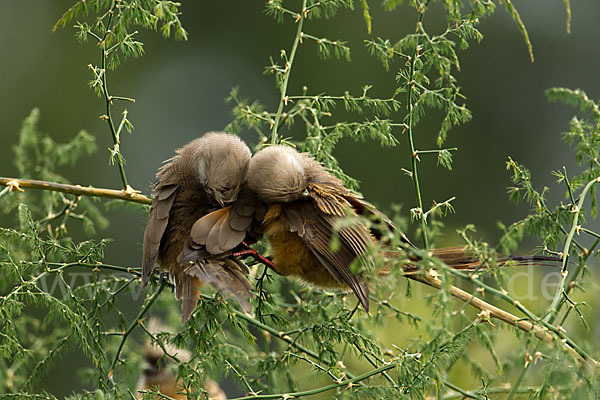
x: 291, y: 256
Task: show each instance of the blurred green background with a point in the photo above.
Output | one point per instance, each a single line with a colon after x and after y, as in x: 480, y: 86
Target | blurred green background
x: 180, y: 89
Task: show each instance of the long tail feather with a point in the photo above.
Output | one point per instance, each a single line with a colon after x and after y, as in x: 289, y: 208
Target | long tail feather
x: 461, y: 259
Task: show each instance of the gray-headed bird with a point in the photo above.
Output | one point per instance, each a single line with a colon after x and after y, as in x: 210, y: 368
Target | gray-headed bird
x: 204, y: 175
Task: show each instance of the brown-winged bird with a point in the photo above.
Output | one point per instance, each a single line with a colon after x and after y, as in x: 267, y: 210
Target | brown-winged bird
x: 307, y: 208
x: 202, y: 177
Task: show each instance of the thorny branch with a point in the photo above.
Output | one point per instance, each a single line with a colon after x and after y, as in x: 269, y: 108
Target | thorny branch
x: 17, y: 184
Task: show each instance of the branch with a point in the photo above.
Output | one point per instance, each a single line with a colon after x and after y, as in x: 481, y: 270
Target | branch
x: 16, y: 184
x: 556, y: 301
x: 116, y: 152
x: 280, y: 335
x: 476, y: 394
x: 482, y: 305
x: 543, y: 324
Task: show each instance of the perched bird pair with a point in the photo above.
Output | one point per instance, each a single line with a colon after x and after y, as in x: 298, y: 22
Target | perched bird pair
x: 213, y: 198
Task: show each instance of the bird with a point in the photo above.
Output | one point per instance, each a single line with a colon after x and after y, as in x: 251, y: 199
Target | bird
x: 157, y: 374
x: 205, y: 175
x: 313, y: 224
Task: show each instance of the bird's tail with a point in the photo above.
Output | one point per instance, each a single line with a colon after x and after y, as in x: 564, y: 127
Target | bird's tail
x: 463, y: 259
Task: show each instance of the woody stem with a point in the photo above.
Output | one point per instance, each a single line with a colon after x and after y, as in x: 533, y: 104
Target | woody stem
x: 18, y: 184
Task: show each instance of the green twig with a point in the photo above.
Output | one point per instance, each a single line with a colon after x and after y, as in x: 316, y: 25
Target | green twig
x: 137, y: 321
x: 568, y: 7
x: 515, y: 389
x: 477, y: 394
x: 462, y: 393
x: 517, y: 18
x: 413, y: 153
x: 119, y: 290
x: 116, y: 152
x: 278, y: 334
x: 435, y: 151
x: 556, y: 301
x: 288, y: 67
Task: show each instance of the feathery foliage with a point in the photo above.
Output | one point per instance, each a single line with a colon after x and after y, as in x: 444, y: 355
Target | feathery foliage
x: 58, y: 296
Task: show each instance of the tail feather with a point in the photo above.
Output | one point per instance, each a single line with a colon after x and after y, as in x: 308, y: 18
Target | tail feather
x: 225, y: 275
x: 462, y: 259
x: 536, y: 260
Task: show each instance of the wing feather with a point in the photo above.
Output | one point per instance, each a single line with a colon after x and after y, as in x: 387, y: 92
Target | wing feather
x: 203, y: 226
x: 239, y: 222
x: 366, y: 209
x: 164, y: 196
x: 230, y: 238
x: 317, y: 228
x: 212, y: 241
x: 295, y: 221
x: 225, y: 229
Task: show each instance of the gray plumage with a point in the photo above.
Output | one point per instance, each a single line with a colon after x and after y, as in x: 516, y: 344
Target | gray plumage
x: 203, y: 176
x: 280, y: 173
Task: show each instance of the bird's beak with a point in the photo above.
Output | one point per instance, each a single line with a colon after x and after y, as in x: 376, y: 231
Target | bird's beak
x: 215, y: 194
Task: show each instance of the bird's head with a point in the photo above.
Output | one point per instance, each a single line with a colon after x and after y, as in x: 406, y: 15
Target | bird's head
x: 278, y: 174
x: 221, y: 163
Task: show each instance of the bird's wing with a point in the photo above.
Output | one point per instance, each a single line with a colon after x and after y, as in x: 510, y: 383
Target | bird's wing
x: 224, y: 272
x: 335, y: 200
x: 318, y: 222
x: 223, y: 230
x: 164, y: 196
